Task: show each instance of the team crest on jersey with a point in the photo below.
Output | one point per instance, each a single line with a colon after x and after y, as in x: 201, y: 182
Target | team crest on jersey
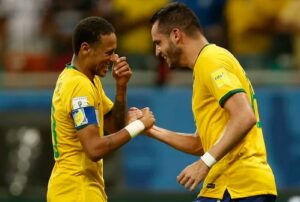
x: 79, y: 117
x: 79, y: 102
x: 220, y: 77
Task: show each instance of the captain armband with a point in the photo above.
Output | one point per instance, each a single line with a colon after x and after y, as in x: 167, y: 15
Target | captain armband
x: 208, y: 159
x: 84, y: 116
x: 135, y: 127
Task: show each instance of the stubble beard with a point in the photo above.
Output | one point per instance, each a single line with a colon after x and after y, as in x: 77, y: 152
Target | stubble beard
x: 174, y: 54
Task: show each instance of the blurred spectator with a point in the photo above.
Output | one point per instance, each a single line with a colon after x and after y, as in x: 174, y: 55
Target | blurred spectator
x: 103, y: 8
x: 290, y: 19
x: 2, y: 38
x: 61, y: 18
x: 131, y: 19
x: 252, y: 25
x: 21, y: 41
x: 211, y: 16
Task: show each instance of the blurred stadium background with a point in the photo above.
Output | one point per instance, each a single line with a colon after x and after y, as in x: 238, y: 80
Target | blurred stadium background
x: 35, y: 44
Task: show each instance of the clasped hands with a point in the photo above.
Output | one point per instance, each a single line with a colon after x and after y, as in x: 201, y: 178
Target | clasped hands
x: 145, y: 115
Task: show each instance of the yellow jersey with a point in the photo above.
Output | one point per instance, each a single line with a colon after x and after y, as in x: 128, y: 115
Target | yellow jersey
x: 244, y: 171
x: 76, y: 103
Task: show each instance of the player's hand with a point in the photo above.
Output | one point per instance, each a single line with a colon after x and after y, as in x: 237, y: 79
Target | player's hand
x: 193, y: 174
x: 121, y: 71
x: 148, y: 118
x: 133, y: 114
x: 151, y: 131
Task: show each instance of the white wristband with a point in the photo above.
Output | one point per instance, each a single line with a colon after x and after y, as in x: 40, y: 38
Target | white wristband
x: 134, y: 128
x: 208, y: 159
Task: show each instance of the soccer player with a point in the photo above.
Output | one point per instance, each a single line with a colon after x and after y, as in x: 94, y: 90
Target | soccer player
x: 229, y: 137
x: 80, y: 110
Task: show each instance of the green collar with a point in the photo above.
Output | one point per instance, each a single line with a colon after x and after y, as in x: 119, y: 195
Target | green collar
x: 69, y: 66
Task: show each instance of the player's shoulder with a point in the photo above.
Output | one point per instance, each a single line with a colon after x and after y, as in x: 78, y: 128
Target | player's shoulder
x: 71, y: 79
x: 213, y: 51
x: 216, y: 55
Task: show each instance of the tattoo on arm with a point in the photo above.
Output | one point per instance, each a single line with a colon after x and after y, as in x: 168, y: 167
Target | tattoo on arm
x: 119, y: 114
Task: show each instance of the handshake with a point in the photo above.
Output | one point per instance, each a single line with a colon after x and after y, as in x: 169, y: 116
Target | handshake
x: 139, y: 120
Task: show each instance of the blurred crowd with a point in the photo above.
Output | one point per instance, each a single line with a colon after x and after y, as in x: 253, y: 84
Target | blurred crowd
x: 35, y: 35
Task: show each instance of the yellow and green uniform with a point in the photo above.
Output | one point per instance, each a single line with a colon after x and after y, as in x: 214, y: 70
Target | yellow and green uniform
x: 244, y: 171
x: 76, y: 103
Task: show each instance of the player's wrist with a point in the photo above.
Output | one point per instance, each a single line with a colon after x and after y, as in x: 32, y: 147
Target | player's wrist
x: 135, y: 127
x: 121, y: 86
x: 208, y: 159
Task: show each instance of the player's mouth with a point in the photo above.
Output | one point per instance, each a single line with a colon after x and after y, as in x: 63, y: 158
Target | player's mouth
x: 164, y: 57
x: 104, y: 67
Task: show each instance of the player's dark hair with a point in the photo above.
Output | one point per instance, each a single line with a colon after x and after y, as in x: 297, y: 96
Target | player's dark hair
x: 89, y: 30
x: 176, y: 15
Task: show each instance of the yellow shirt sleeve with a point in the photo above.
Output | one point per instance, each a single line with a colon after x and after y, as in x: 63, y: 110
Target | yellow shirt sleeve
x: 221, y: 79
x: 78, y: 93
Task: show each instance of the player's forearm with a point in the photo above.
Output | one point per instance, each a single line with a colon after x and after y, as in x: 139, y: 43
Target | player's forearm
x: 119, y: 109
x: 104, y: 146
x: 184, y: 142
x: 236, y: 129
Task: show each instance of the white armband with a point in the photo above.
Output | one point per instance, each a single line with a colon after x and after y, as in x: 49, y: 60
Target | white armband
x: 135, y: 127
x: 208, y: 159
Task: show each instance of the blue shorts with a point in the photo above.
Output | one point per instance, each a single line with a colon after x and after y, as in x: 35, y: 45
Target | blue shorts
x: 227, y: 198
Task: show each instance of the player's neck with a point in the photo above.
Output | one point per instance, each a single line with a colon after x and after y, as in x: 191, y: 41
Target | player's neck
x: 193, y: 50
x: 81, y: 66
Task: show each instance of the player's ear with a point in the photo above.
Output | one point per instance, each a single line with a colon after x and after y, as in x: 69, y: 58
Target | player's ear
x: 175, y: 35
x: 85, y: 47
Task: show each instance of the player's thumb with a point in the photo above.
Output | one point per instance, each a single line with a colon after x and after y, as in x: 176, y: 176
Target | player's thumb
x: 114, y: 58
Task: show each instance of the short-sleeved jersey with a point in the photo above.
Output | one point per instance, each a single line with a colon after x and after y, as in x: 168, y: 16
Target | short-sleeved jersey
x: 74, y: 176
x: 244, y: 171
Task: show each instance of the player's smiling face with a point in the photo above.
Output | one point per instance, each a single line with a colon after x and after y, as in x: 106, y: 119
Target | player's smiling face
x: 165, y: 47
x: 104, y: 54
